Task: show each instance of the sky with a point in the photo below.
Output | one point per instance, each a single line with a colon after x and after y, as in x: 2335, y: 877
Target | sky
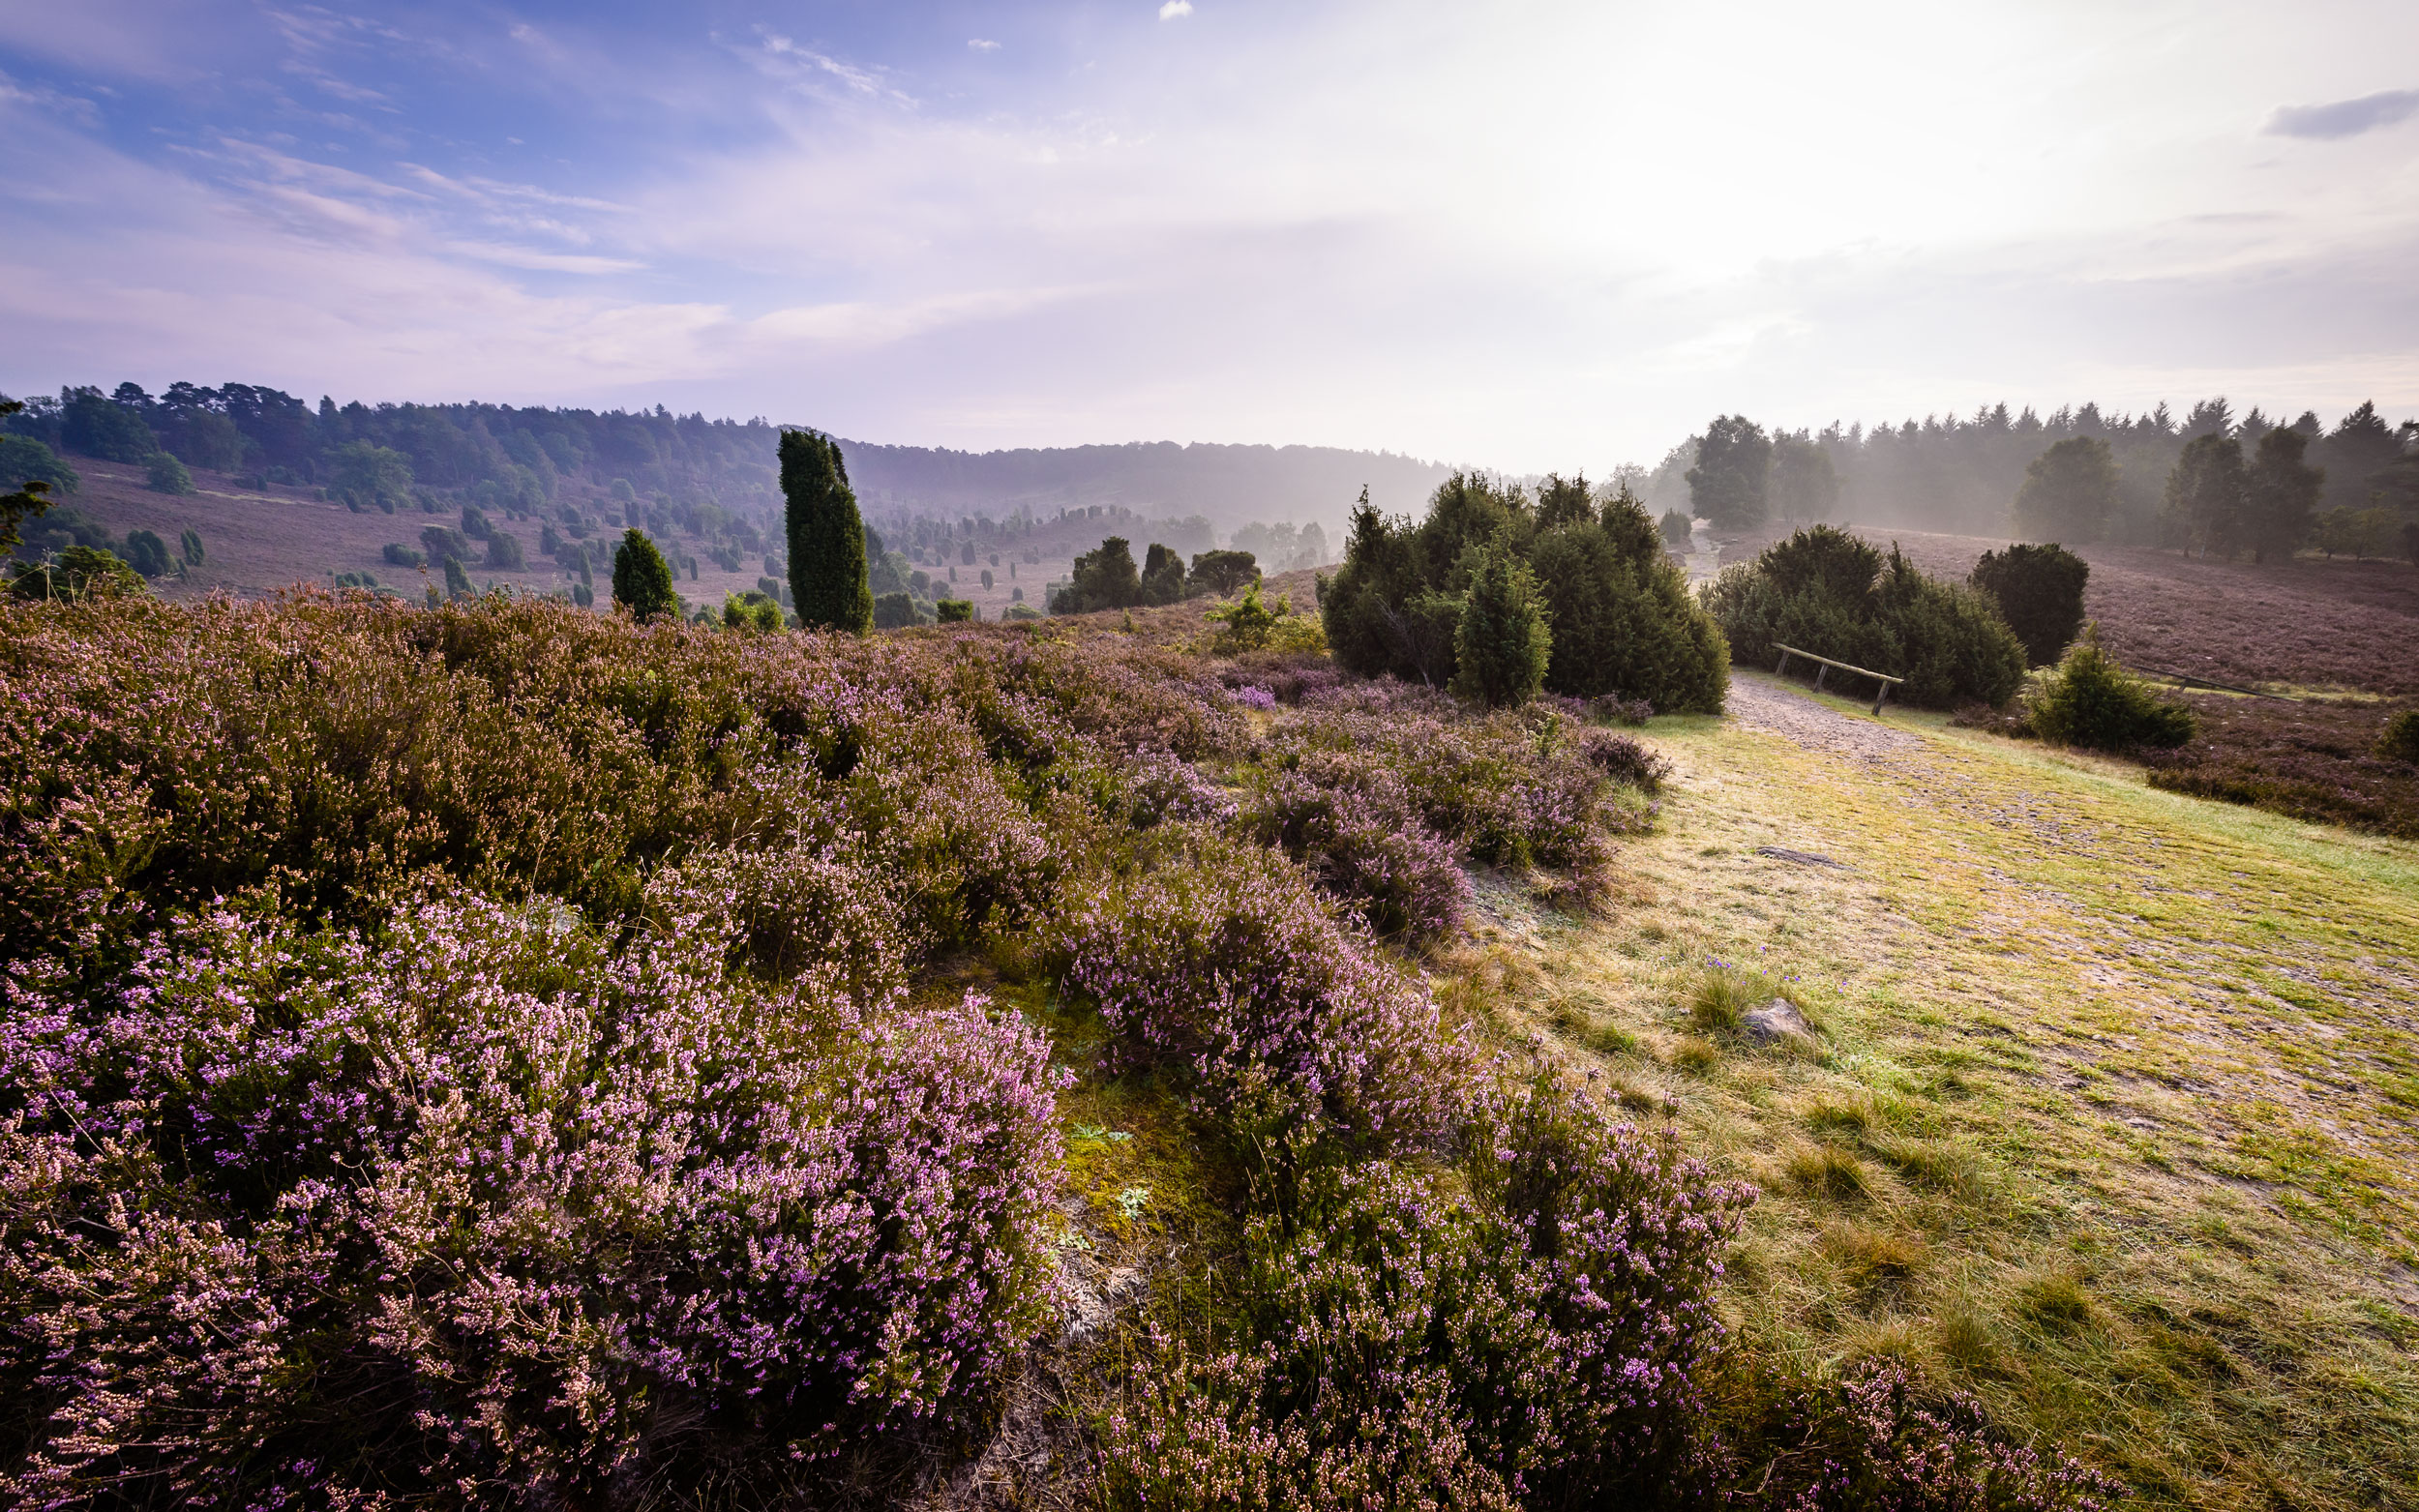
x: 1520, y: 235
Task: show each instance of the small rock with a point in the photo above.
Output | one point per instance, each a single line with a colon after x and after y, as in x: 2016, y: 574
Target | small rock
x: 1778, y: 1019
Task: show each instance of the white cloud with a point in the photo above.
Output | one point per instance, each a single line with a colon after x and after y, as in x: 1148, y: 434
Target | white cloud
x: 982, y: 45
x: 1176, y: 8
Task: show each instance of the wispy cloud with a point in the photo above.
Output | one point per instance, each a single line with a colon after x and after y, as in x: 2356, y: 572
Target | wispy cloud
x: 2345, y: 117
x: 1176, y: 8
x: 860, y: 80
x: 982, y: 45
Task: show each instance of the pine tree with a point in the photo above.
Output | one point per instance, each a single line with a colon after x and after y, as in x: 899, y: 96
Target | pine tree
x: 2282, y: 495
x: 1734, y: 464
x: 642, y: 578
x: 827, y: 568
x: 2206, y: 493
x: 1502, y: 643
x: 2070, y: 490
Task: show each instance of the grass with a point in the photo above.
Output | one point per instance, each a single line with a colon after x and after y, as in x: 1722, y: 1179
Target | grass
x: 2111, y: 1120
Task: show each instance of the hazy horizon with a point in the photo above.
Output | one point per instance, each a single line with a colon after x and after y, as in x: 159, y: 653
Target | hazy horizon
x: 1535, y: 238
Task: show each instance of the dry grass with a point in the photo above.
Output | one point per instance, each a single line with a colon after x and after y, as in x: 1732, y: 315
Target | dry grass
x: 2111, y: 1119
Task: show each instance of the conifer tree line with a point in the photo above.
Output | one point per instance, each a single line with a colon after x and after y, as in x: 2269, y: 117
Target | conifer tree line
x: 2212, y: 481
x: 1499, y: 592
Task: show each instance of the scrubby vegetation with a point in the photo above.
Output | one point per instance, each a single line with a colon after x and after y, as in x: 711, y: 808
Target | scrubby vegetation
x: 495, y: 1053
x: 2038, y: 590
x: 2089, y: 700
x: 1826, y: 592
x: 1608, y: 611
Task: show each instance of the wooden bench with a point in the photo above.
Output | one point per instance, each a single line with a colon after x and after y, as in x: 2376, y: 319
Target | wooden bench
x: 1884, y: 678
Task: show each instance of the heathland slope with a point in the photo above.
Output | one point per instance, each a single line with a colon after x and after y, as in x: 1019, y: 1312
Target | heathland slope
x: 2109, y: 1111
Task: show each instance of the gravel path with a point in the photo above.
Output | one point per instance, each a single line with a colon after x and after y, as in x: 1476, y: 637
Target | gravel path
x: 1767, y: 704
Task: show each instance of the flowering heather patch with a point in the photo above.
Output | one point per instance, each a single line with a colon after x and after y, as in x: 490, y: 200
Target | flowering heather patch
x: 488, y: 1198
x: 489, y: 1054
x: 1528, y: 1339
x: 1219, y: 961
x: 1511, y: 786
x: 1363, y: 840
x: 1871, y: 1442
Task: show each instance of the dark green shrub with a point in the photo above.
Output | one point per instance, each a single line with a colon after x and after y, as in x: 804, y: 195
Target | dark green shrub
x: 642, y: 578
x: 456, y: 581
x: 503, y: 552
x: 1622, y: 621
x: 2092, y: 701
x: 1222, y: 573
x: 1502, y: 641
x: 148, y: 554
x: 1677, y: 529
x: 2400, y: 740
x: 166, y: 475
x: 24, y: 460
x: 826, y: 536
x: 954, y: 612
x: 189, y: 546
x: 893, y: 612
x: 396, y: 554
x: 1104, y: 578
x: 2039, y: 593
x: 81, y: 572
x: 1163, y: 575
x: 1826, y: 592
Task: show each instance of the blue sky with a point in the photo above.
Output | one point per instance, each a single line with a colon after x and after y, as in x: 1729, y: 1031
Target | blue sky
x: 1526, y: 235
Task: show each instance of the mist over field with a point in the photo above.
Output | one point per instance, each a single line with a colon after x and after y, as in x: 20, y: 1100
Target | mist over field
x: 1197, y: 756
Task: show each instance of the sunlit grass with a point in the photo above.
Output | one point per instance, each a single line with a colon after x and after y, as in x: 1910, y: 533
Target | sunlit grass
x: 2112, y: 1115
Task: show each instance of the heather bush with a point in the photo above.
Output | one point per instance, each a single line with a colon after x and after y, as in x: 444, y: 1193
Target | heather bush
x: 484, y: 1208
x: 1359, y: 833
x: 2090, y: 701
x: 1528, y: 1336
x: 488, y: 1054
x: 1873, y: 1440
x: 1510, y: 788
x: 1217, y: 964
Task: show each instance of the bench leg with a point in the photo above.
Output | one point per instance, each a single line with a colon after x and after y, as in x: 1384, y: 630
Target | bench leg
x: 1781, y: 666
x: 1820, y: 673
x: 1877, y: 698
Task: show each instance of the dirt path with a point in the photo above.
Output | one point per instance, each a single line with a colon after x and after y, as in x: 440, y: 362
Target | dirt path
x: 1772, y: 705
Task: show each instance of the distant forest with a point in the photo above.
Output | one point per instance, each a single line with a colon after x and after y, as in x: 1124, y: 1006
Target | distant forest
x: 1963, y: 475
x: 498, y: 456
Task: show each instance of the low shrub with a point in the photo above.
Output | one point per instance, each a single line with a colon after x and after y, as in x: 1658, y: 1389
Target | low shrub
x: 2400, y: 741
x: 1361, y: 838
x: 164, y: 474
x: 1527, y: 1338
x: 1219, y: 963
x: 1873, y: 1440
x: 2091, y: 702
x: 486, y: 1202
x: 2038, y: 590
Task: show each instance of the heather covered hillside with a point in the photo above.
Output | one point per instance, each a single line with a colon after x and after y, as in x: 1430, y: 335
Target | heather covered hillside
x: 505, y: 1053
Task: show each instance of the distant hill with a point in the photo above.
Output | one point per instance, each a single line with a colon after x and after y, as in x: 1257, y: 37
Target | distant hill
x: 496, y: 456
x: 1229, y: 486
